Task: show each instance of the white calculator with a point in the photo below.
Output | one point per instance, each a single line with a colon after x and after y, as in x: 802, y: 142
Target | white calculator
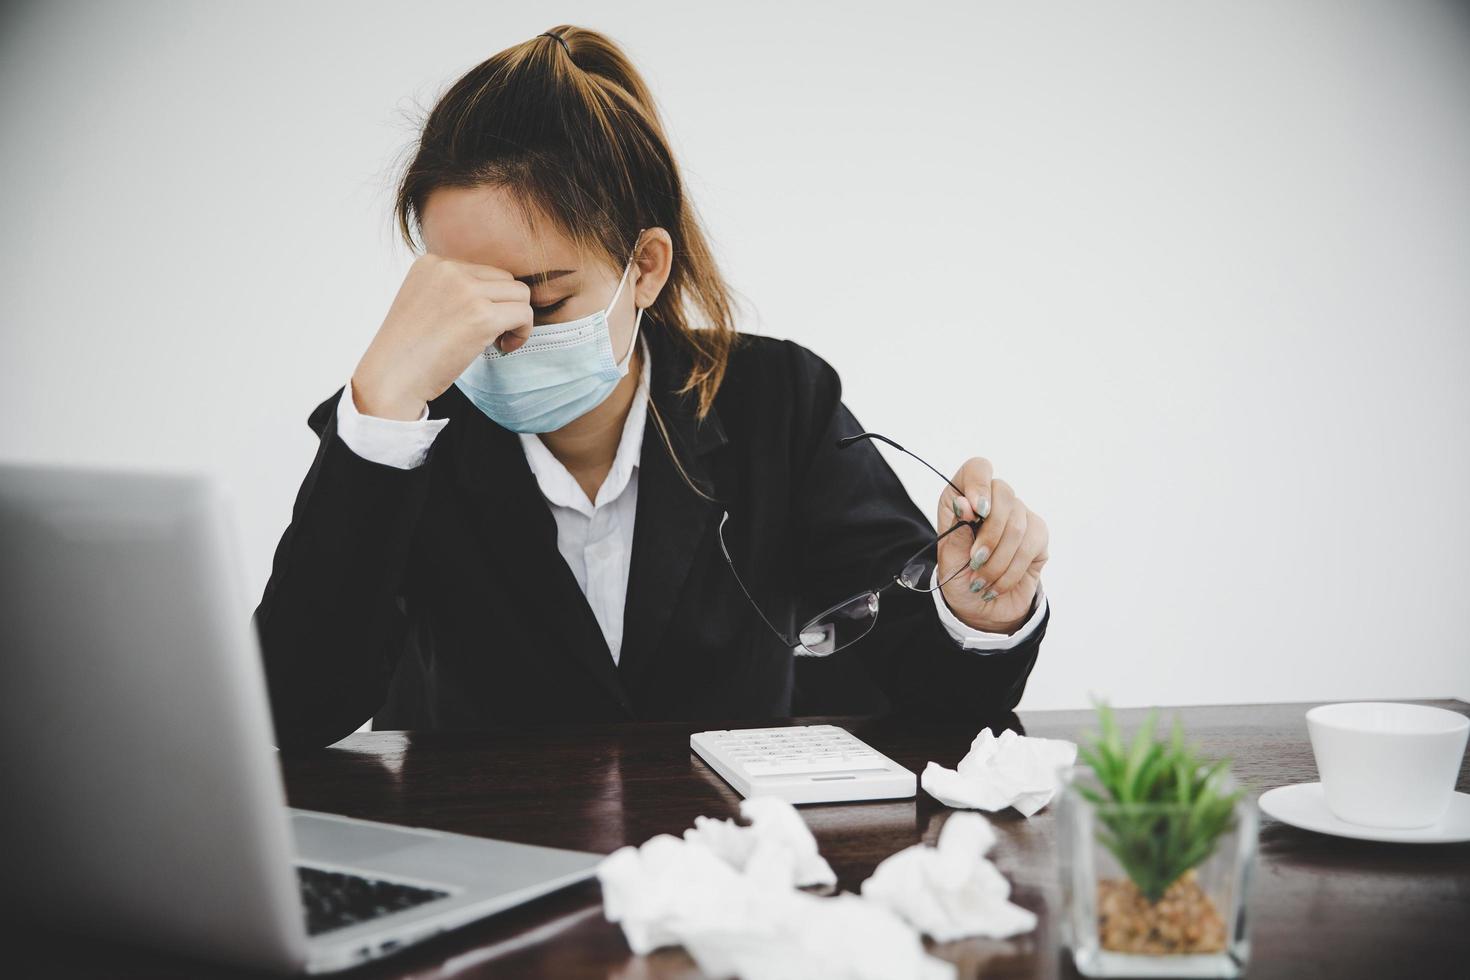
x: 803, y: 764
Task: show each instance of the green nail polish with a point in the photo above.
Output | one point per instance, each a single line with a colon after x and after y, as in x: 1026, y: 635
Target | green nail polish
x: 958, y: 511
x: 989, y: 595
x: 976, y: 585
x: 978, y: 558
x: 984, y: 509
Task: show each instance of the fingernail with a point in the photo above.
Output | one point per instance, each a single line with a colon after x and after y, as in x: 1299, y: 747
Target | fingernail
x: 978, y: 558
x: 976, y: 585
x: 958, y: 510
x: 989, y: 595
x: 982, y: 506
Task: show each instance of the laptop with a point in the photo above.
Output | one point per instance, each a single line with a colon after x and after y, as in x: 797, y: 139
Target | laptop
x: 139, y: 789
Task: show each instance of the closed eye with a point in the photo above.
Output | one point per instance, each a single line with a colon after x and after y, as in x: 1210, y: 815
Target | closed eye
x: 548, y: 309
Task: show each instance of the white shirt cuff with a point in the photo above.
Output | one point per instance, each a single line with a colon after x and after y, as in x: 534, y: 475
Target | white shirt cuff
x: 972, y: 639
x: 391, y: 442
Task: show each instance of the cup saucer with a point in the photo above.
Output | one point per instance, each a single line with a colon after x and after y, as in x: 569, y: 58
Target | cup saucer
x: 1304, y: 805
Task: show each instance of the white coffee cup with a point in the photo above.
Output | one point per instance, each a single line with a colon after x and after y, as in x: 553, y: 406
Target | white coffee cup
x: 1387, y: 765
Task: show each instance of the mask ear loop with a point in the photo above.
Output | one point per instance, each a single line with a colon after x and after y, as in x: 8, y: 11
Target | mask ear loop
x: 623, y: 364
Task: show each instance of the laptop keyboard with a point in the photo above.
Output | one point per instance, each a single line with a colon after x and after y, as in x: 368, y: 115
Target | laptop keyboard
x: 335, y: 900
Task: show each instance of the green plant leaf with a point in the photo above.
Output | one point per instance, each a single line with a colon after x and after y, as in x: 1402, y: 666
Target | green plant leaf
x: 1142, y: 744
x: 1161, y: 809
x: 1090, y: 794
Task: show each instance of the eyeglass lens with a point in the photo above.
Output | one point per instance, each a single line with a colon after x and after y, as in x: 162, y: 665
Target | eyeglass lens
x: 846, y: 622
x: 918, y: 571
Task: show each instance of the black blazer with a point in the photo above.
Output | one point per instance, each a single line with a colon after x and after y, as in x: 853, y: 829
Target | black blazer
x: 436, y: 598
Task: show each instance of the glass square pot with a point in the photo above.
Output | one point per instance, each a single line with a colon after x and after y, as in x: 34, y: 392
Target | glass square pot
x: 1127, y: 909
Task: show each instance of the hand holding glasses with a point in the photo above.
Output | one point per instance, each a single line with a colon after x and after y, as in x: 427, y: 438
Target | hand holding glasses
x: 851, y: 619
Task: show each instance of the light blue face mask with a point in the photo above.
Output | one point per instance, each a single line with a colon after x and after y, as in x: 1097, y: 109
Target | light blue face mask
x: 561, y: 373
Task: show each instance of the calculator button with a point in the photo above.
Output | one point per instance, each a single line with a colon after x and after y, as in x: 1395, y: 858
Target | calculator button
x: 803, y: 766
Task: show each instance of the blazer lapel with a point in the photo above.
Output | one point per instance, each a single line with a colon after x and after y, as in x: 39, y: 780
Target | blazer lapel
x: 671, y: 519
x: 518, y: 532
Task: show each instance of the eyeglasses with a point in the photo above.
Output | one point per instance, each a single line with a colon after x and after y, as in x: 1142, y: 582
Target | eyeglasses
x: 851, y: 619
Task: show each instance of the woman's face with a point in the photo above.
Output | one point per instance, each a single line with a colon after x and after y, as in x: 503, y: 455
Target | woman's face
x: 480, y: 225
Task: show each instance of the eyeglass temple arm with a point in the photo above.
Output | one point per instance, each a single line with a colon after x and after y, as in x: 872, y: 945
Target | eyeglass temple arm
x: 846, y: 441
x: 788, y: 640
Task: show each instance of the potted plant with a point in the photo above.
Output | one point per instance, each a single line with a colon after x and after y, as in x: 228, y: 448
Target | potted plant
x: 1156, y: 847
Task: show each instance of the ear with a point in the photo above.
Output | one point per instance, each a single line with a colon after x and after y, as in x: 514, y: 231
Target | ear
x: 654, y: 260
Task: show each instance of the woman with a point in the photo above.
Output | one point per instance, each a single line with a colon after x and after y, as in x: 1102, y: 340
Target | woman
x: 546, y: 494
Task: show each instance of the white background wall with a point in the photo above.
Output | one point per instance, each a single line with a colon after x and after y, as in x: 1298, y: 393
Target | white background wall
x: 1194, y: 276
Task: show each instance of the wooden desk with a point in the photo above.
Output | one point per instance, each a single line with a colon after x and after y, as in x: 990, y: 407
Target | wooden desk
x: 1321, y: 906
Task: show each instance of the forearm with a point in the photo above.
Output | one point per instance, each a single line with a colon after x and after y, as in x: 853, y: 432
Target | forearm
x: 328, y: 622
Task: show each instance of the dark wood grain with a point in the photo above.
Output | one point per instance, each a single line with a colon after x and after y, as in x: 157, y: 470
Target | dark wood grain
x: 1321, y: 906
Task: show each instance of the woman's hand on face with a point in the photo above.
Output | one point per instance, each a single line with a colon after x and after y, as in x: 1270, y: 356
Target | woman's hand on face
x: 1002, y: 565
x: 446, y: 312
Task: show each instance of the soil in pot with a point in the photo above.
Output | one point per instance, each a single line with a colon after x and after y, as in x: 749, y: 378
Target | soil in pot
x: 1183, y: 920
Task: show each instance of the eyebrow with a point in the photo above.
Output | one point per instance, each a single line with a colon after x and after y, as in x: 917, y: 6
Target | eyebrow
x: 537, y: 278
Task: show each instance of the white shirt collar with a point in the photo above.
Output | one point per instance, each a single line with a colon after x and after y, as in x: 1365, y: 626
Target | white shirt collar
x: 558, y: 485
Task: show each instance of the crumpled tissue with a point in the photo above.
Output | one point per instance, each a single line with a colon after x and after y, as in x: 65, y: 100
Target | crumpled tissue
x: 1012, y: 770
x: 951, y: 890
x: 729, y: 899
x: 777, y: 840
